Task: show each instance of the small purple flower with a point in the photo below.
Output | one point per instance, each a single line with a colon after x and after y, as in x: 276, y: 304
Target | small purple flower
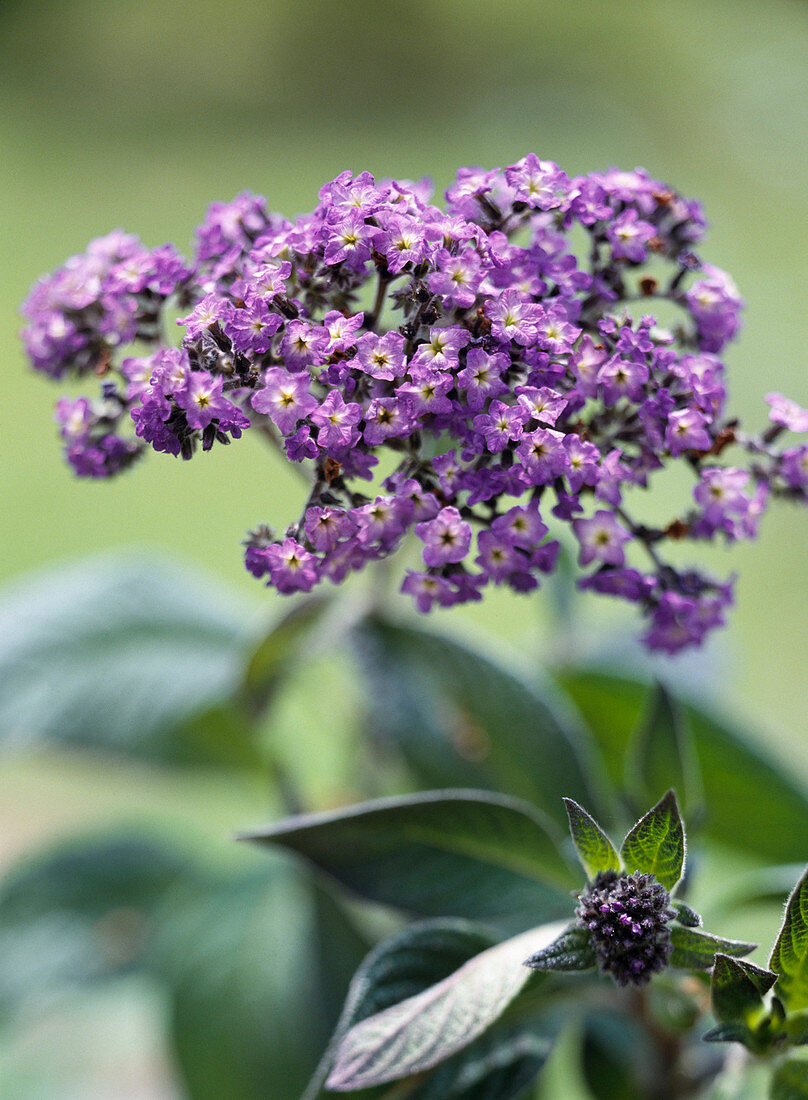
x: 342, y: 331
x: 325, y: 527
x: 540, y: 184
x: 513, y: 317
x: 481, y: 378
x: 382, y: 356
x: 286, y: 398
x: 501, y: 425
x: 787, y: 413
x: 601, y: 539
x: 425, y: 588
x: 446, y: 538
x: 629, y: 236
x: 687, y: 431
x: 291, y: 567
x: 336, y: 421
x: 716, y: 306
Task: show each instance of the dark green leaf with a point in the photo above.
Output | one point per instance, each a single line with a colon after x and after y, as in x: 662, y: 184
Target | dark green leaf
x: 696, y: 950
x: 571, y: 951
x: 656, y: 844
x: 753, y: 804
x: 661, y: 754
x: 789, y: 958
x: 120, y: 653
x: 402, y: 966
x: 595, y: 851
x: 737, y: 990
x: 685, y: 915
x: 460, y: 718
x: 443, y: 853
x: 790, y: 1081
x: 422, y: 1031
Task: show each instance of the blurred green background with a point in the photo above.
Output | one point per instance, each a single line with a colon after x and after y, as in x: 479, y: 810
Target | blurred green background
x: 138, y: 114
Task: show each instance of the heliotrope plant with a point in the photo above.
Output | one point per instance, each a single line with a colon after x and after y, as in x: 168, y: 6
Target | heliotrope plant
x: 451, y: 1007
x: 499, y: 365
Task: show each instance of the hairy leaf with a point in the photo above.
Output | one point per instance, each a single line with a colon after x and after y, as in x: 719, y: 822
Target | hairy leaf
x: 572, y: 950
x: 595, y: 851
x: 696, y: 950
x: 738, y: 988
x: 656, y: 844
x: 423, y: 1030
x: 400, y: 967
x: 789, y: 958
x: 685, y: 915
x: 443, y: 853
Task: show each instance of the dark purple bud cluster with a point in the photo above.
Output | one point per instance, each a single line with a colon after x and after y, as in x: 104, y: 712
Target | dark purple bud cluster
x: 485, y: 357
x: 628, y: 917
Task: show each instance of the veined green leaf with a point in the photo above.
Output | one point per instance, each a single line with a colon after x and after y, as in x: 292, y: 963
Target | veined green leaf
x: 572, y: 950
x: 696, y: 950
x: 442, y: 853
x: 423, y: 1030
x: 656, y: 844
x: 121, y: 653
x: 738, y: 988
x: 789, y: 958
x: 595, y: 851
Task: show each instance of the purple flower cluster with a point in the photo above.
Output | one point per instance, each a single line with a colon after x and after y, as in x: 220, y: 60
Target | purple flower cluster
x: 628, y: 918
x: 499, y: 367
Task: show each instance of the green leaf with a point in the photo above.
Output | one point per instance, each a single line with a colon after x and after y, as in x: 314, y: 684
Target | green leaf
x: 738, y: 989
x: 443, y: 853
x: 790, y: 1081
x: 400, y: 967
x: 120, y: 654
x: 789, y: 958
x: 661, y: 754
x: 754, y: 804
x: 696, y: 950
x: 459, y: 718
x: 422, y: 1031
x: 595, y: 851
x: 685, y: 915
x: 571, y: 951
x: 656, y: 844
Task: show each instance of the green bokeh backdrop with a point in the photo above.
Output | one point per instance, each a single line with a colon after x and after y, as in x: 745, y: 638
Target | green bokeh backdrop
x: 137, y: 115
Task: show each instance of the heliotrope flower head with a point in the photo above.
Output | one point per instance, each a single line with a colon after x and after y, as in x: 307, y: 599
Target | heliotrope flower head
x: 489, y: 359
x: 628, y: 918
